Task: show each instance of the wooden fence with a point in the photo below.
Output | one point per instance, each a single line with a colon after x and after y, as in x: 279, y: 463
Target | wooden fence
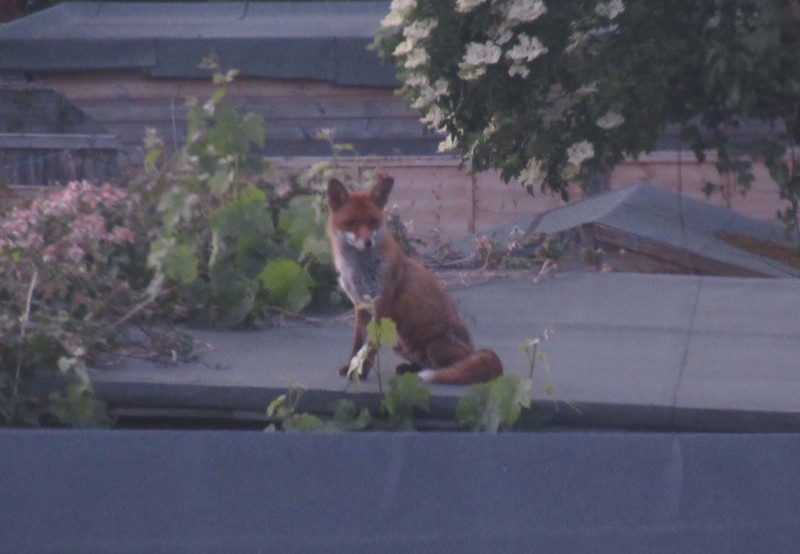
x: 50, y: 159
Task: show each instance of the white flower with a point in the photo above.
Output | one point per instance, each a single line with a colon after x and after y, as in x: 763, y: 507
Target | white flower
x: 528, y: 49
x: 521, y: 11
x: 466, y: 6
x: 610, y: 9
x: 477, y: 57
x: 404, y: 48
x: 580, y: 152
x: 434, y: 118
x: 472, y: 73
x: 448, y: 144
x: 398, y: 12
x: 416, y: 58
x: 576, y: 41
x: 478, y: 53
x: 501, y: 37
x: 415, y: 33
x: 532, y: 174
x: 440, y: 88
x: 417, y: 79
x: 428, y: 94
x: 519, y: 69
x: 610, y: 120
x: 420, y: 30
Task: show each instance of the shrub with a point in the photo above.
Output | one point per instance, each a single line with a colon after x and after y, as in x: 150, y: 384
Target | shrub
x: 71, y: 266
x: 227, y: 244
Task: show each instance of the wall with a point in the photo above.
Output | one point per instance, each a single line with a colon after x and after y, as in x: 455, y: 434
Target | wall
x: 441, y: 198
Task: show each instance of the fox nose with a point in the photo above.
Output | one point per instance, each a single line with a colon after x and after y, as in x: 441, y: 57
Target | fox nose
x: 367, y: 243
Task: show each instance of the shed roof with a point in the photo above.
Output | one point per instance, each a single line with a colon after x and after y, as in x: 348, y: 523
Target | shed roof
x: 310, y: 40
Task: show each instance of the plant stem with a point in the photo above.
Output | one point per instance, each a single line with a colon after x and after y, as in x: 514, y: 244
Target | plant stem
x: 23, y: 324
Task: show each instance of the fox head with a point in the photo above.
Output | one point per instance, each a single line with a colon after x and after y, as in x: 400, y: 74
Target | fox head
x: 356, y: 218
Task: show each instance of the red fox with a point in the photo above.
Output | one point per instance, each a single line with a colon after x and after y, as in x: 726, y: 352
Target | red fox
x: 371, y: 264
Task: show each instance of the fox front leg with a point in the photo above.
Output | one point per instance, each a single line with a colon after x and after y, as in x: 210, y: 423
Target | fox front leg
x: 359, y: 334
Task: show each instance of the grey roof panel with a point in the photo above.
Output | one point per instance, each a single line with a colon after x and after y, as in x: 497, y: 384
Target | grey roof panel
x: 312, y: 40
x: 196, y: 491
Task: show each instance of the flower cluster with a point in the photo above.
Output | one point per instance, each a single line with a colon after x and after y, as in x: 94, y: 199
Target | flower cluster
x: 69, y: 267
x: 610, y: 9
x: 67, y: 226
x: 526, y: 50
x: 483, y: 71
x: 580, y: 152
x: 477, y: 57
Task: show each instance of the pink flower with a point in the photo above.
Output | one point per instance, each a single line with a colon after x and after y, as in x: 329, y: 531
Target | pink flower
x: 121, y: 235
x: 75, y: 253
x: 283, y: 191
x: 50, y: 254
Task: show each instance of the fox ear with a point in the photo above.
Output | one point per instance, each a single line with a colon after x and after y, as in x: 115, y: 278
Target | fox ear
x: 337, y: 194
x: 380, y: 191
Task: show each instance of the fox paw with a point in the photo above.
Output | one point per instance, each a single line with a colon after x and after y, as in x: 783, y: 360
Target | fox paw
x: 407, y: 368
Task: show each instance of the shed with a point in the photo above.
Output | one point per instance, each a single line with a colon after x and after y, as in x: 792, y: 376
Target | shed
x: 303, y: 66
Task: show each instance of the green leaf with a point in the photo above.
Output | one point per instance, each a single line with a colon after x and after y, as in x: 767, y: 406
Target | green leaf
x: 304, y: 423
x: 176, y: 205
x: 254, y: 129
x: 348, y: 417
x: 494, y: 405
x: 151, y: 159
x: 176, y: 260
x: 275, y: 405
x: 220, y: 182
x: 406, y: 393
x: 382, y: 334
x: 219, y: 94
x: 288, y: 284
x: 302, y: 222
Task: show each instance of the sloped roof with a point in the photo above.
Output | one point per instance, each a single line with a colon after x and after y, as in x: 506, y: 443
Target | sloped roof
x: 671, y: 226
x: 310, y: 40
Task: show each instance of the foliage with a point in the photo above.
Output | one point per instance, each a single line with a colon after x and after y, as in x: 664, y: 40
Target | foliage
x: 406, y: 394
x: 496, y: 405
x: 230, y: 243
x: 201, y: 235
x: 519, y: 251
x: 557, y: 92
x: 71, y: 268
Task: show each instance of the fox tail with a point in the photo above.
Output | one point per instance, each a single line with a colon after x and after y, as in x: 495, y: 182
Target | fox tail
x: 482, y: 365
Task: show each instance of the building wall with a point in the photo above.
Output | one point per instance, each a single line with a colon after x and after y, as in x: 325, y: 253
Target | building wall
x: 442, y: 198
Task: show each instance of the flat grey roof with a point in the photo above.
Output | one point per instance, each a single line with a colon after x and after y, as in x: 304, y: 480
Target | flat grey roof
x: 310, y: 40
x: 209, y: 492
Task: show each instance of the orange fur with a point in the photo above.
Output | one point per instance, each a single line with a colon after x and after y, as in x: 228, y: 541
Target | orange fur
x: 432, y: 336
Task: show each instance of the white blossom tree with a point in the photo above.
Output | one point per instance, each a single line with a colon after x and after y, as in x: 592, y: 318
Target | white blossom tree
x: 554, y: 92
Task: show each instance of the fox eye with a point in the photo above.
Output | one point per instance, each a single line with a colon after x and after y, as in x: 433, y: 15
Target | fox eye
x: 350, y: 224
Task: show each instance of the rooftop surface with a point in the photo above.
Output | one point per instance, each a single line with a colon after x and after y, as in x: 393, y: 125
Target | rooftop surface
x: 629, y: 350
x: 308, y: 40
